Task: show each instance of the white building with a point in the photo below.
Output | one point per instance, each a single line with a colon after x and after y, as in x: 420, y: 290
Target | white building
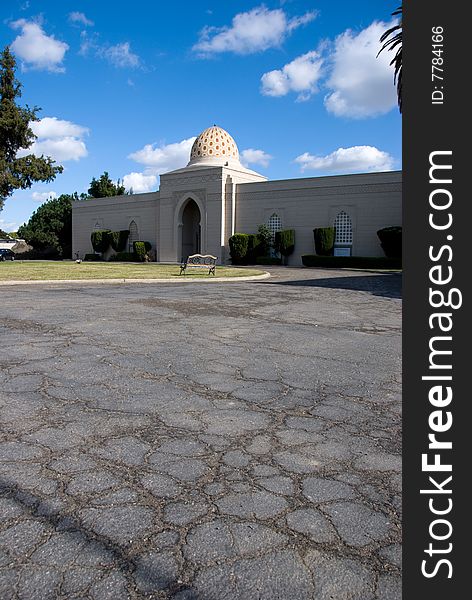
x: 199, y: 207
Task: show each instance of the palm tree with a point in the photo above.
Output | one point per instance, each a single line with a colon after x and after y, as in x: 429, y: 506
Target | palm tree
x: 392, y: 39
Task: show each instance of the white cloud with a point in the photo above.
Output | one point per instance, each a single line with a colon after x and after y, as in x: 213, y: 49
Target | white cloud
x: 301, y: 76
x: 52, y: 127
x: 8, y: 226
x: 43, y: 196
x: 252, y: 31
x: 80, y: 19
x: 120, y: 55
x: 361, y: 84
x: 163, y: 158
x: 140, y: 182
x: 36, y: 49
x: 58, y: 138
x: 347, y: 160
x: 255, y: 157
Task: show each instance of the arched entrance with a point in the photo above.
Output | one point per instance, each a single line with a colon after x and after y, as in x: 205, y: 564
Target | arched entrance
x: 191, y: 229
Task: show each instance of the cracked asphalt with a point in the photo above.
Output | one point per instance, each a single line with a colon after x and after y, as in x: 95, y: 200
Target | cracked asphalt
x: 232, y: 441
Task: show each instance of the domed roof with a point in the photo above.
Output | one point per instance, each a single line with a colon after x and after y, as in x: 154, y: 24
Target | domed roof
x: 214, y: 146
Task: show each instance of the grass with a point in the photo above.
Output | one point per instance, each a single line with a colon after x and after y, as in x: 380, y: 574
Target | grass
x: 37, y: 270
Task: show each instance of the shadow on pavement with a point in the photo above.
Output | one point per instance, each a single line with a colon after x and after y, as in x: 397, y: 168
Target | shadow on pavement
x: 387, y: 286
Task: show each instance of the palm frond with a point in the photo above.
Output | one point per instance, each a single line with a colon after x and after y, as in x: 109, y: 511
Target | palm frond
x: 391, y: 40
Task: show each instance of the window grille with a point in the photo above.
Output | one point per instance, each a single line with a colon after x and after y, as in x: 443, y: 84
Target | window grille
x: 274, y: 224
x: 343, y: 225
x: 133, y: 235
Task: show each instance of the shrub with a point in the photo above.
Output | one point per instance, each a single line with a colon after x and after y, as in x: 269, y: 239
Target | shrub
x: 353, y: 262
x: 140, y: 251
x: 118, y: 239
x: 284, y: 242
x: 252, y: 248
x: 238, y: 245
x: 268, y: 260
x: 92, y: 257
x: 123, y: 257
x: 324, y: 240
x: 391, y: 241
x: 147, y: 246
x: 100, y: 239
x: 264, y: 237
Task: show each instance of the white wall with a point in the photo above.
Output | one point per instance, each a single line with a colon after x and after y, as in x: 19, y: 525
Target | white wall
x: 115, y: 213
x: 372, y: 201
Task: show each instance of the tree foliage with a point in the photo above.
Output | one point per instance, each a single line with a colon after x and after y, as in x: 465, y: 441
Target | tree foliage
x: 105, y: 187
x: 265, y: 239
x: 100, y: 239
x: 50, y: 226
x: 391, y: 40
x: 16, y: 134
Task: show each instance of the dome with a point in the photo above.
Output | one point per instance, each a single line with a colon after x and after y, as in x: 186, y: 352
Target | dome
x: 214, y: 146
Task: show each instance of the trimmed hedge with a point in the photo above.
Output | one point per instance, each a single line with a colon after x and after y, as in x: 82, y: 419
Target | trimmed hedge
x: 268, y: 260
x: 123, y: 257
x: 253, y: 248
x: 100, y: 239
x: 92, y: 257
x: 284, y: 242
x: 238, y: 245
x: 353, y: 262
x: 324, y: 240
x: 140, y: 251
x: 118, y: 239
x: 391, y: 241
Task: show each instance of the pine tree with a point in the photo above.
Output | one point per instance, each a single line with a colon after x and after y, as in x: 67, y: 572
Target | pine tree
x: 15, y: 134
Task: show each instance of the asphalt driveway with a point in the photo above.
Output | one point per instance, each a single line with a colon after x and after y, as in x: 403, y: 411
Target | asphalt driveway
x: 232, y: 441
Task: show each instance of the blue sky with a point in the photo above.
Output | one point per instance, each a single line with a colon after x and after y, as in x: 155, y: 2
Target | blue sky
x: 125, y: 87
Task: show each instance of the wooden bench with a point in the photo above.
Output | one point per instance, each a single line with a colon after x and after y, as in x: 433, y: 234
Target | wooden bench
x: 199, y: 261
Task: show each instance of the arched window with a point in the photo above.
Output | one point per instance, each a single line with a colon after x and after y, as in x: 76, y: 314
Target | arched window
x: 133, y: 235
x: 274, y: 224
x: 343, y: 225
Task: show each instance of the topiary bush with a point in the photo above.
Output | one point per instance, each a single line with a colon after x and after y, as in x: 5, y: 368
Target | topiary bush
x: 100, y: 239
x: 147, y: 246
x: 268, y: 260
x: 284, y: 242
x: 118, y: 239
x: 391, y: 241
x: 140, y: 251
x: 238, y: 245
x: 324, y: 240
x: 252, y: 248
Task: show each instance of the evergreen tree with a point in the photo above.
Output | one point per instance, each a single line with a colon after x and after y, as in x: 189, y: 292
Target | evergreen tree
x: 104, y: 187
x: 15, y: 134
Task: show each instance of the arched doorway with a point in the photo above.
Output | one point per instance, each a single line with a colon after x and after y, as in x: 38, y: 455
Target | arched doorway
x: 191, y: 230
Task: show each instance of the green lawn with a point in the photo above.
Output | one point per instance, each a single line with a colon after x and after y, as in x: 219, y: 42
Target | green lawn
x: 29, y: 270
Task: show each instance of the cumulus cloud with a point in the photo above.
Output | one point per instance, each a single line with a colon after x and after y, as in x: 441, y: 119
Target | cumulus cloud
x: 361, y: 84
x: 356, y: 159
x: 167, y: 157
x: 52, y: 127
x: 43, y: 196
x: 255, y: 157
x: 36, y: 49
x: 252, y: 31
x: 140, y: 182
x: 78, y: 18
x: 300, y: 76
x: 58, y: 138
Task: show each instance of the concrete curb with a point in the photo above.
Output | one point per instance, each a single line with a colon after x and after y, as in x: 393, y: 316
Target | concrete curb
x: 264, y: 275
